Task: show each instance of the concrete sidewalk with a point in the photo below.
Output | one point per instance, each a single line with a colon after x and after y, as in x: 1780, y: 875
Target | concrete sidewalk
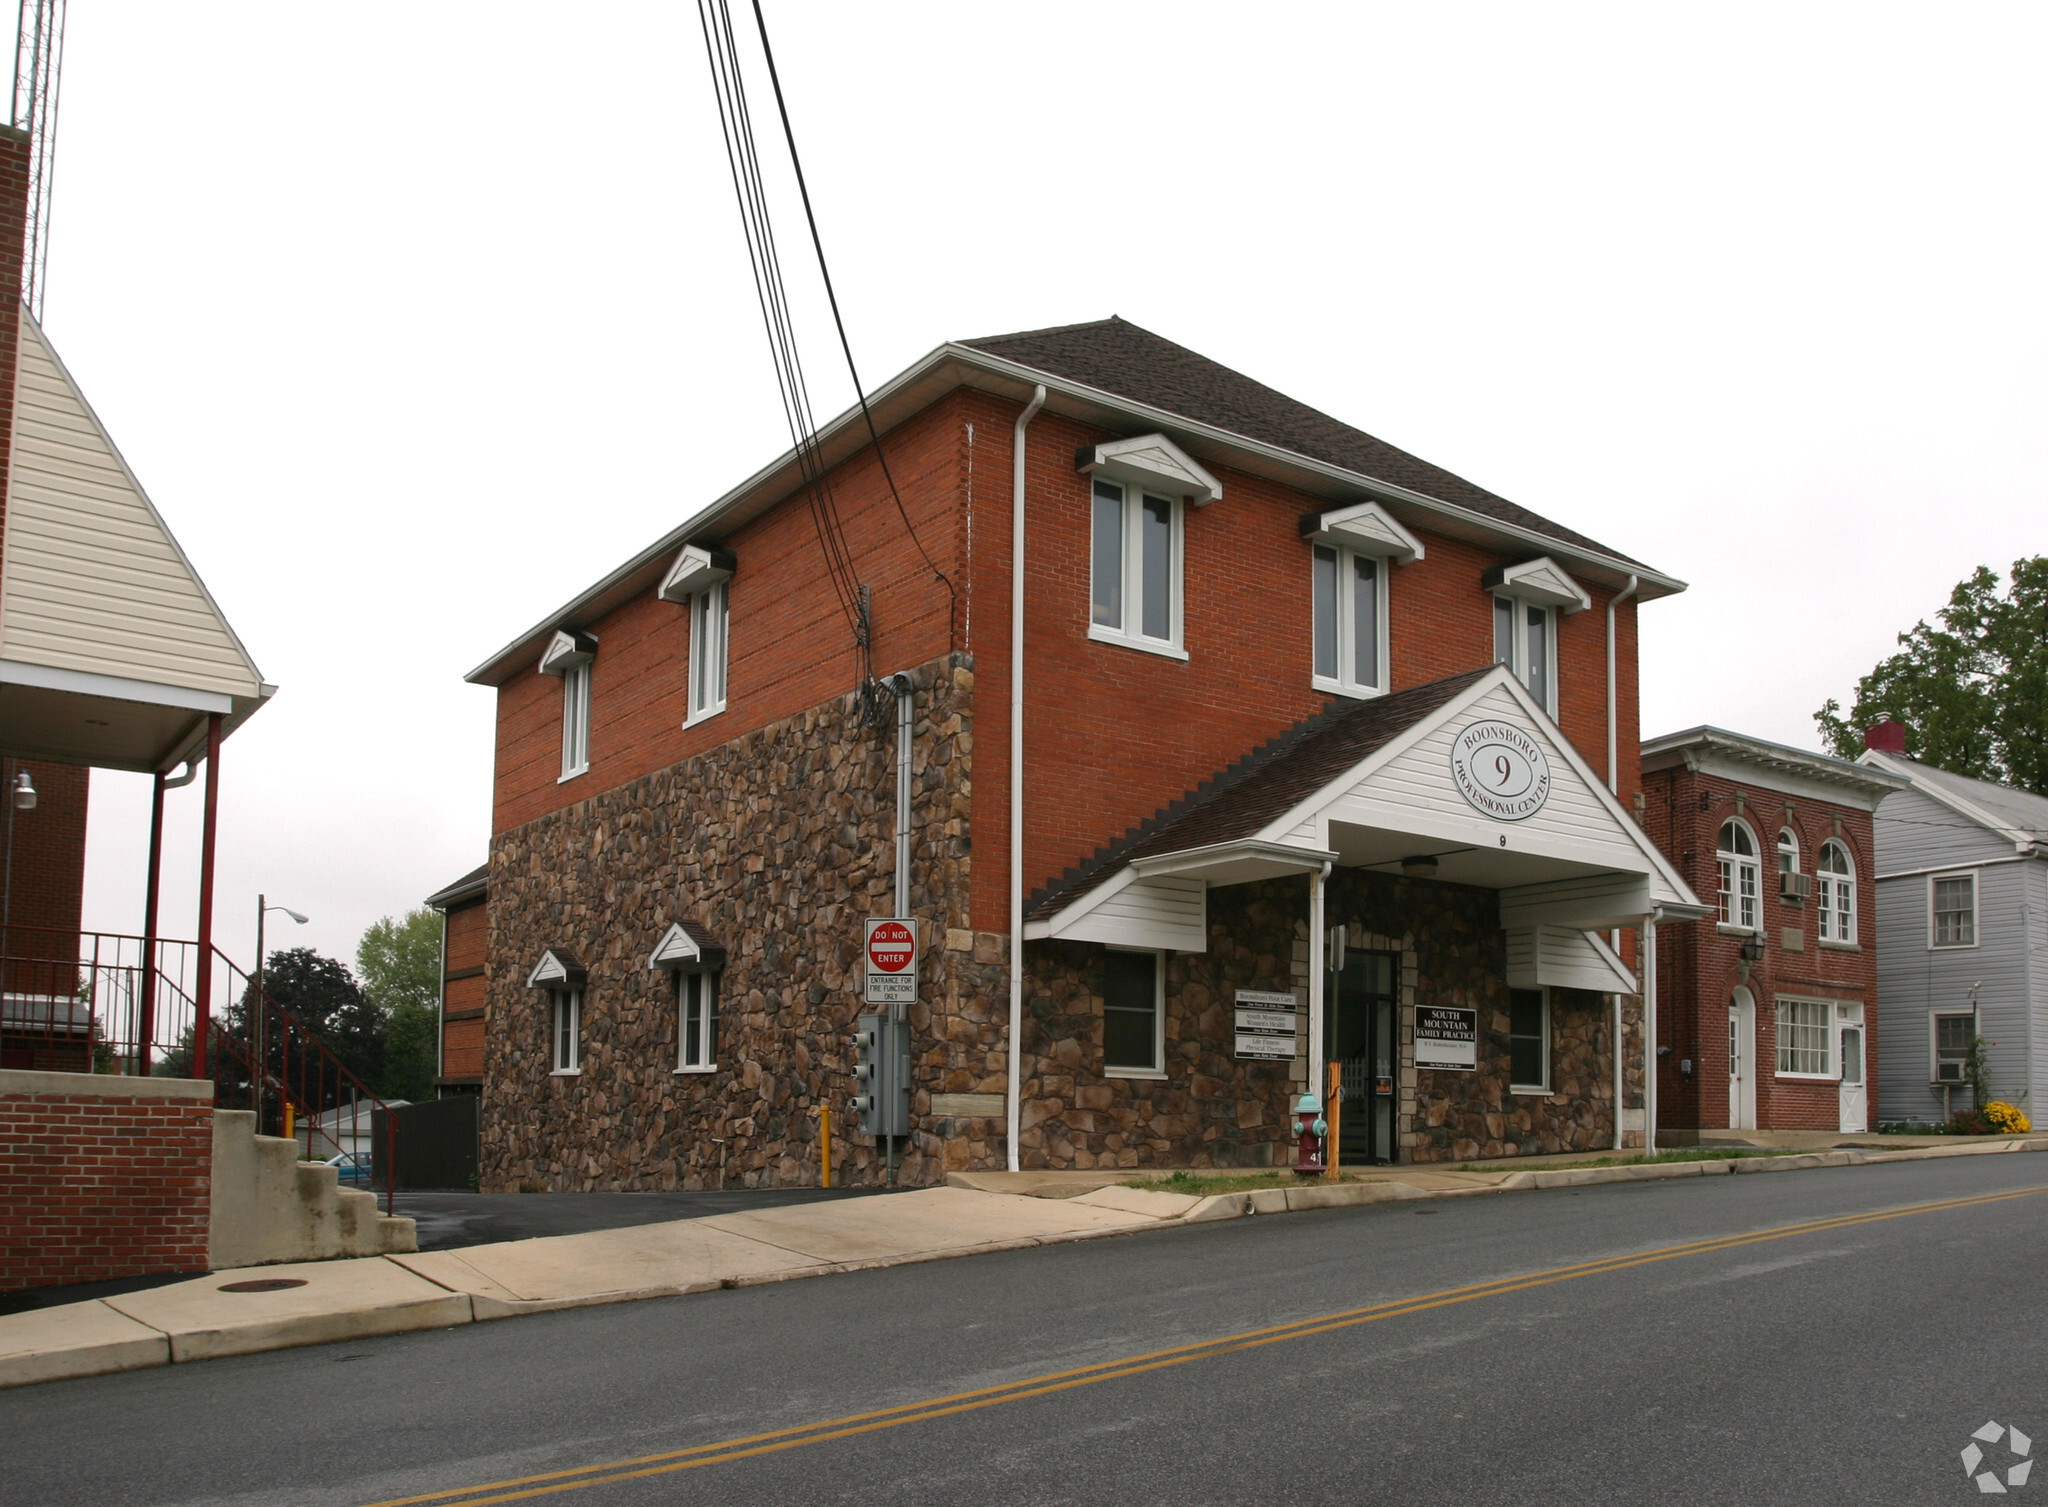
x: 309, y: 1303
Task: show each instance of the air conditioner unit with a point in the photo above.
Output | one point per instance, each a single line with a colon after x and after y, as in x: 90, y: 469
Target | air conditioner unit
x: 1795, y: 886
x: 1948, y: 1072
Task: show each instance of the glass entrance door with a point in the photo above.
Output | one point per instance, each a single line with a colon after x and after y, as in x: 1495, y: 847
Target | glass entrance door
x: 1360, y: 1024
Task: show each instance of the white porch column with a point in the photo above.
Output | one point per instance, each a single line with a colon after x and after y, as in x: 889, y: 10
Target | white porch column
x: 1318, y: 940
x: 1649, y: 966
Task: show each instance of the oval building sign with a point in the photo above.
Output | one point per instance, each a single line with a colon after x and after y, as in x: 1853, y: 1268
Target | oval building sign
x: 1500, y: 770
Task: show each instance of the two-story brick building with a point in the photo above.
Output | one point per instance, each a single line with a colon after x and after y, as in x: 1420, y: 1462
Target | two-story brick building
x: 1275, y: 744
x: 1768, y: 1012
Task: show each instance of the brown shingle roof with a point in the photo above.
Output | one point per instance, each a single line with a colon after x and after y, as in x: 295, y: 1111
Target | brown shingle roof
x: 1243, y: 800
x: 1118, y: 357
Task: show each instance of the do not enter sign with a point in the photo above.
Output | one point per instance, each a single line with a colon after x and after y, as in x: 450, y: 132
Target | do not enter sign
x: 892, y: 962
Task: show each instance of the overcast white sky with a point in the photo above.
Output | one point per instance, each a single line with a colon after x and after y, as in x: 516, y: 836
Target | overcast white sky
x: 414, y: 319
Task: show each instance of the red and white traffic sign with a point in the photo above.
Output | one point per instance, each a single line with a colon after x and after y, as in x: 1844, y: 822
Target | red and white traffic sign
x: 891, y: 962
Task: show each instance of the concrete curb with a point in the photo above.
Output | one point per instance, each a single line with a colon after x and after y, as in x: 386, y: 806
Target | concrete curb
x: 136, y: 1332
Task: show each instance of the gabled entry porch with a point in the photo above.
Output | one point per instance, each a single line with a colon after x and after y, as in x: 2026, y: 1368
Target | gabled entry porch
x: 1438, y: 881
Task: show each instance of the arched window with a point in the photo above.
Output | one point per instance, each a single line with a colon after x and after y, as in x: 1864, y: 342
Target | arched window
x: 1836, y: 881
x: 1788, y: 851
x: 1739, y: 875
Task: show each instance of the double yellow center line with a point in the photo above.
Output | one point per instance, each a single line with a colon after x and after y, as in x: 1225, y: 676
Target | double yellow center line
x: 747, y: 1446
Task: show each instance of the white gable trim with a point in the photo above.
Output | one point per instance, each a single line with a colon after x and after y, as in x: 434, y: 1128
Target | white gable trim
x: 696, y: 569
x: 565, y: 651
x: 556, y: 970
x: 1566, y: 958
x: 1152, y: 461
x: 1169, y: 912
x: 1541, y: 580
x: 1367, y: 528
x: 677, y: 949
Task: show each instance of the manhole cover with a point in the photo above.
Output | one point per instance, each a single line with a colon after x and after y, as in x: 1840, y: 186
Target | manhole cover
x: 264, y: 1284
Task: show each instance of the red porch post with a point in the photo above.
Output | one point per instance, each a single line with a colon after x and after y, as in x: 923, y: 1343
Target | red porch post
x: 203, y: 1007
x: 147, y: 1030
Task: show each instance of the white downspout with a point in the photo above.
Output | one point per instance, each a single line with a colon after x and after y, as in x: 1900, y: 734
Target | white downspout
x: 1614, y: 788
x: 1015, y: 1091
x: 1318, y: 941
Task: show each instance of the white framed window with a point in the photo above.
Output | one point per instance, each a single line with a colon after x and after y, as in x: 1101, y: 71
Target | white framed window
x: 1834, y: 883
x: 566, y: 1031
x: 1133, y: 1013
x: 1525, y: 640
x: 1950, y: 1037
x: 1134, y: 571
x: 575, y: 720
x: 709, y: 620
x: 1952, y: 910
x: 1806, y: 1032
x: 1350, y: 624
x: 1788, y: 851
x: 1529, y: 1041
x: 1737, y: 856
x: 696, y: 1021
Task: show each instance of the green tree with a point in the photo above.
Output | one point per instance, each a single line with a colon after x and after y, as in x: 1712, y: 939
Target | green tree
x: 399, y: 961
x: 326, y: 999
x: 1973, y: 692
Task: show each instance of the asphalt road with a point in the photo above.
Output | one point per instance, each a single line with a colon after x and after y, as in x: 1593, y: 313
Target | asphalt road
x: 1839, y: 1358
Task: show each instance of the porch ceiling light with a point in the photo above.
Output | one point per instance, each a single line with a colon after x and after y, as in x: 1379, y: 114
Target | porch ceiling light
x: 1421, y: 866
x: 24, y: 791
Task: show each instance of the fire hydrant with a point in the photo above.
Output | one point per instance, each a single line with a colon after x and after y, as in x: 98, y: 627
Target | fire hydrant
x: 1311, y: 1127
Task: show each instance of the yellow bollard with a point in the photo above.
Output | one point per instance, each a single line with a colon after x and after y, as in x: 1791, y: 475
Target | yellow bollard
x: 825, y: 1121
x: 1334, y: 1113
x: 291, y: 1132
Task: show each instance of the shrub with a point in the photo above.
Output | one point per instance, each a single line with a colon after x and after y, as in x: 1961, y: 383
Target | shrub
x: 2005, y: 1119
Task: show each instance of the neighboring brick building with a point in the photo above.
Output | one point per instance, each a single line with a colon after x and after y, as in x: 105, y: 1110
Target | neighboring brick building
x: 1239, y: 617
x: 1768, y: 1008
x: 460, y: 1066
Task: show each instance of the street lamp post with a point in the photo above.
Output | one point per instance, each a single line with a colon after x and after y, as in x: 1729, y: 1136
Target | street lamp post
x: 263, y: 907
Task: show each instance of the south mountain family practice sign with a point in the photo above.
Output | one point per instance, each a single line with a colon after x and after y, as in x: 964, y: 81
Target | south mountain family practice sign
x: 1500, y: 770
x: 1446, y: 1038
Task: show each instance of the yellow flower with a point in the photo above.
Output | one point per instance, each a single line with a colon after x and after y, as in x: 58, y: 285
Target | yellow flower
x: 2006, y: 1118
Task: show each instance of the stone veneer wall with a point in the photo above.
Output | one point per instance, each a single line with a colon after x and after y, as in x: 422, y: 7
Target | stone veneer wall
x: 781, y: 843
x: 1213, y: 1110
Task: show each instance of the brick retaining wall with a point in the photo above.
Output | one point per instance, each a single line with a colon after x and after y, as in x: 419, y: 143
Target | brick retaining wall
x: 102, y: 1177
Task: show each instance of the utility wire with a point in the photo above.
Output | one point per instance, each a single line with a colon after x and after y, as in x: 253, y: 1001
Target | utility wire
x: 846, y: 346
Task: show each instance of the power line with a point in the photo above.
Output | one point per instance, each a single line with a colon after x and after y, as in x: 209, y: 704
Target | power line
x: 38, y: 66
x: 846, y: 346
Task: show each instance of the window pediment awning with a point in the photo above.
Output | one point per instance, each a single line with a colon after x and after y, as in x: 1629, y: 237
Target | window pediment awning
x: 1366, y: 527
x: 566, y: 650
x: 1540, y: 580
x: 697, y: 568
x: 687, y: 946
x: 1154, y: 462
x: 557, y: 969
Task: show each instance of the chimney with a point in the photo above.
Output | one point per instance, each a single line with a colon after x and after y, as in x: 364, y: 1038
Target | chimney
x: 1889, y: 736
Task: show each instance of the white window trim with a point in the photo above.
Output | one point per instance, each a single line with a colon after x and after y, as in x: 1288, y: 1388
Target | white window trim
x: 1754, y: 861
x: 575, y: 721
x: 1158, y: 1018
x: 1539, y: 1090
x: 710, y: 1024
x: 558, y: 1000
x: 1338, y: 685
x: 1821, y: 910
x: 1834, y: 1038
x: 1787, y: 838
x: 706, y: 602
x: 1976, y: 915
x: 1518, y: 646
x: 1934, y: 1045
x: 1173, y: 647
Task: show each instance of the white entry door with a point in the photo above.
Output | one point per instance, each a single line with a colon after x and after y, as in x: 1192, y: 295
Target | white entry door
x: 1855, y: 1097
x: 1741, y: 1070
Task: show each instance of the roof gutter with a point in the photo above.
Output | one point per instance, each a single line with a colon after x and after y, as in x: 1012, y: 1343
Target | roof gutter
x: 1027, y: 380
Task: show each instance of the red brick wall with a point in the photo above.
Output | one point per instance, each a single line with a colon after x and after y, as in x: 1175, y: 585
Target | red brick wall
x: 1112, y: 734
x: 1699, y: 966
x: 14, y: 166
x: 96, y: 1186
x: 47, y: 888
x: 462, y: 993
